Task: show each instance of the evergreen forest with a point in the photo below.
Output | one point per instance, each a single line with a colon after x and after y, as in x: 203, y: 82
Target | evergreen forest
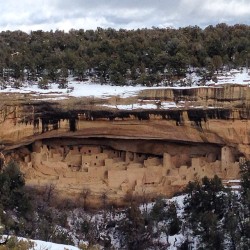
x: 142, y: 56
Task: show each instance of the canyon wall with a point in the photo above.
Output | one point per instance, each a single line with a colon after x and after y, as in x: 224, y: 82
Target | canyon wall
x: 89, y: 144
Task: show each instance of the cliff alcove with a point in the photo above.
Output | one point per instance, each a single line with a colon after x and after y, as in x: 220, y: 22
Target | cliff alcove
x: 76, y: 144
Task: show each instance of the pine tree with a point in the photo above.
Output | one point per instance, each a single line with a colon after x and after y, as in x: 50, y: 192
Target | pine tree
x: 205, y: 206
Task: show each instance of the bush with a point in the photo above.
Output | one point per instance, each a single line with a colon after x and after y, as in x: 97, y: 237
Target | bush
x: 43, y: 84
x: 158, y: 212
x: 136, y: 231
x: 12, y: 193
x: 63, y: 84
x: 15, y: 244
x: 61, y: 237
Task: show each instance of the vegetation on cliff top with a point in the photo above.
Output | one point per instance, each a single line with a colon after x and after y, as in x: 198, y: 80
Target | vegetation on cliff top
x: 143, y: 56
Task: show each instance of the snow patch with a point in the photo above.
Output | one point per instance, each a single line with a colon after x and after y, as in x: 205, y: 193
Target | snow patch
x: 39, y: 244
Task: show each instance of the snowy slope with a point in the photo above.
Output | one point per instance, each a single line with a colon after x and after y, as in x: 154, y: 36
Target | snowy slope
x: 51, y: 246
x: 83, y: 89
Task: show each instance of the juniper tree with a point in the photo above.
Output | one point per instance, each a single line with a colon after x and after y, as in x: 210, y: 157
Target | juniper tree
x: 205, y: 206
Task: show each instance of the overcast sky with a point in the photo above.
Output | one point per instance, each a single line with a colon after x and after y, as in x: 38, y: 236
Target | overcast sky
x: 30, y: 15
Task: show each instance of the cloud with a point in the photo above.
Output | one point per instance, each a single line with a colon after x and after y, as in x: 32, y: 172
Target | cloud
x: 129, y: 14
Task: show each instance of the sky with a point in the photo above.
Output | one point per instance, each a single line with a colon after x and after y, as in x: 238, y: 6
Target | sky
x: 28, y: 15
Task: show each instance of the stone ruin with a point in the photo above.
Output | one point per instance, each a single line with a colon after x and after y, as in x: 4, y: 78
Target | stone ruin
x: 117, y: 173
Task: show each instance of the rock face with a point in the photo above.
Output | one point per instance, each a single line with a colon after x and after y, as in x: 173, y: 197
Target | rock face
x: 78, y: 144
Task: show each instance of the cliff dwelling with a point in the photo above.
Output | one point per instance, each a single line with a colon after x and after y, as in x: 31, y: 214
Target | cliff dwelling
x: 76, y: 144
x: 73, y: 166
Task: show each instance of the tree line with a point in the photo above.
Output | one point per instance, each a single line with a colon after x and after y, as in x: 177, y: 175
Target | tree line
x: 142, y: 56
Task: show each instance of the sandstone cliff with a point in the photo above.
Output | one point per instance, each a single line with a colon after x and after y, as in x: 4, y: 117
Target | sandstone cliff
x: 85, y: 143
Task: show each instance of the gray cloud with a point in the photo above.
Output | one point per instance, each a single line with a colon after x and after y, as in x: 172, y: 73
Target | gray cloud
x: 130, y: 14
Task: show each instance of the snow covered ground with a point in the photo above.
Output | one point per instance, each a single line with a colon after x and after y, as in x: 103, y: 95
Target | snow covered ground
x: 76, y: 89
x: 52, y: 246
x: 83, y: 89
x: 234, y: 77
x: 43, y: 245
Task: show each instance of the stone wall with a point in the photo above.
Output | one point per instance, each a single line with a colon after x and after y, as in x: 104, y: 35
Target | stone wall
x: 102, y: 169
